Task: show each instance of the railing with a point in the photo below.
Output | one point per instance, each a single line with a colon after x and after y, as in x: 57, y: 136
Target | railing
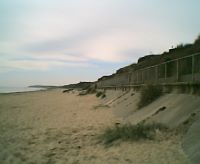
x: 177, y: 71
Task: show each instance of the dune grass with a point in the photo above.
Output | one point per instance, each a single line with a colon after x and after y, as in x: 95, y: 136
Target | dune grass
x: 87, y: 91
x: 101, y: 94
x: 149, y: 94
x: 98, y: 94
x: 130, y: 132
x: 101, y: 106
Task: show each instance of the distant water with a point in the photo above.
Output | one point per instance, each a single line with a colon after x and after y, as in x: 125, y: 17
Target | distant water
x: 18, y: 89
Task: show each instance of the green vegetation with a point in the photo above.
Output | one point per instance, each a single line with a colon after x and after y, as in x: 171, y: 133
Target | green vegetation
x: 80, y: 85
x: 98, y: 94
x: 92, y: 90
x: 191, y: 88
x: 67, y: 90
x: 179, y: 51
x: 101, y: 106
x: 149, y: 94
x: 132, y: 94
x: 82, y: 93
x: 130, y: 132
x: 190, y: 119
x: 197, y: 40
x: 89, y: 90
x: 101, y: 94
x: 196, y: 88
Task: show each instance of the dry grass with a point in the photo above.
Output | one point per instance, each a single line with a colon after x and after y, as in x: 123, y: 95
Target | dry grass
x: 149, y: 94
x: 130, y: 132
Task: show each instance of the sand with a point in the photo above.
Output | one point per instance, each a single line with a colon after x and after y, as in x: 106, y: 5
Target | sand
x: 45, y: 127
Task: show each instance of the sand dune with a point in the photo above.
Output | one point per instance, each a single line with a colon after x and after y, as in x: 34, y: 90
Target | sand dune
x: 55, y: 127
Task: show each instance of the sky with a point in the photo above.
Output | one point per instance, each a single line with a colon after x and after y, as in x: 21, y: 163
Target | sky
x: 57, y: 42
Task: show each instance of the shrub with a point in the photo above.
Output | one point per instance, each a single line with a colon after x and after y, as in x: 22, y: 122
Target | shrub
x: 130, y: 132
x: 67, y: 90
x: 91, y: 90
x: 82, y: 93
x: 197, y: 40
x: 179, y: 46
x: 101, y: 106
x: 149, y: 94
x: 98, y: 94
x: 103, y: 95
x: 88, y: 91
x: 196, y: 88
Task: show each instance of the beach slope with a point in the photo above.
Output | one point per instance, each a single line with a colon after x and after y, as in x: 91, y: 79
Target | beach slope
x: 55, y: 127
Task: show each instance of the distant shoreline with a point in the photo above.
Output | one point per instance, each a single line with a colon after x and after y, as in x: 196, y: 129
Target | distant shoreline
x: 10, y: 90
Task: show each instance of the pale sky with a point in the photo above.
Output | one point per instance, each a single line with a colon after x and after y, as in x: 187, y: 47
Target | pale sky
x: 56, y: 42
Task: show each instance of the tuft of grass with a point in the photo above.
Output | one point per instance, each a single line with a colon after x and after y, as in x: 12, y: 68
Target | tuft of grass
x: 130, y: 132
x: 98, y: 94
x: 103, y: 95
x: 197, y: 40
x: 67, y: 90
x: 88, y: 91
x: 101, y: 106
x: 132, y: 94
x: 82, y: 93
x: 149, y: 94
x: 196, y: 88
x: 91, y: 90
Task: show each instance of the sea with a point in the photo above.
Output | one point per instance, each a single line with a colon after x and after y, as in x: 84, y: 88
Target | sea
x: 18, y: 89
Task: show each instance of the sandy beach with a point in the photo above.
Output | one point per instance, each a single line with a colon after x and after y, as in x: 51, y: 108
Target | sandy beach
x: 47, y: 127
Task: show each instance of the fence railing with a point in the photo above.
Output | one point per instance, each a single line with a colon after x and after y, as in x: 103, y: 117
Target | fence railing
x: 181, y: 70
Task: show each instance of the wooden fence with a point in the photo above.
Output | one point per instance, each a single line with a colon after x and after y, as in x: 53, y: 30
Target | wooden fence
x: 179, y: 71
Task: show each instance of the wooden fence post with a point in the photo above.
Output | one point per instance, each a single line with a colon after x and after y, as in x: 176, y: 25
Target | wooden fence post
x: 165, y: 71
x: 156, y: 67
x: 177, y: 70
x: 193, y: 68
x: 142, y: 78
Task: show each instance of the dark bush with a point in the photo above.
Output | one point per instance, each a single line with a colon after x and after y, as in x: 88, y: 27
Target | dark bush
x: 91, y: 90
x: 67, y: 90
x: 103, y: 95
x: 149, y: 94
x: 88, y: 91
x: 197, y: 40
x: 98, y: 94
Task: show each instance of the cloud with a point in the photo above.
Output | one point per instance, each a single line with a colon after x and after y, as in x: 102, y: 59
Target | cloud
x: 56, y: 57
x: 60, y: 43
x: 56, y: 35
x: 63, y: 33
x: 40, y: 64
x: 95, y: 44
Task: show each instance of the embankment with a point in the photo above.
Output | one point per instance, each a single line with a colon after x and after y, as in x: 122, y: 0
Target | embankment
x: 178, y: 111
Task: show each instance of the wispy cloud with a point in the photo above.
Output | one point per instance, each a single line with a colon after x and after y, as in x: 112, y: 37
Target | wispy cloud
x: 42, y: 65
x: 107, y: 46
x: 60, y: 34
